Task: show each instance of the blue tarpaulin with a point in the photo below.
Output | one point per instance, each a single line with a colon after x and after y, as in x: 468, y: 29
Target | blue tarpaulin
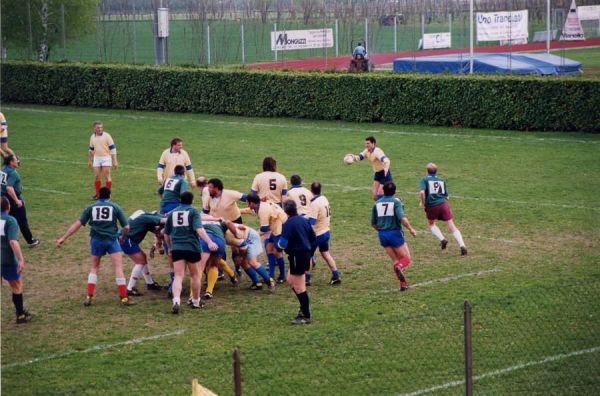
x: 515, y: 63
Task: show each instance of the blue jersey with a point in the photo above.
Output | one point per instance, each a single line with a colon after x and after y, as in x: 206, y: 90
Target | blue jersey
x: 297, y: 236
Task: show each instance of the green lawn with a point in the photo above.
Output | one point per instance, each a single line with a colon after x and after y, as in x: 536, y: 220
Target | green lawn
x: 527, y: 205
x: 589, y: 57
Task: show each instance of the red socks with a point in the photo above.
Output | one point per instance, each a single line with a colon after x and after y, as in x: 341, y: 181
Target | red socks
x: 402, y: 263
x: 97, y: 185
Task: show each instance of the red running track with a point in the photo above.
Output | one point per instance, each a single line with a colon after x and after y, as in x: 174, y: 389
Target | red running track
x: 341, y: 62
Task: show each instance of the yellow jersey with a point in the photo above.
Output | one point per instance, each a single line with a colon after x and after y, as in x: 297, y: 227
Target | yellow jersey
x: 169, y: 160
x: 320, y: 214
x: 271, y: 218
x: 224, y: 206
x: 376, y: 157
x: 102, y: 145
x: 302, y: 196
x: 270, y: 185
x: 3, y: 129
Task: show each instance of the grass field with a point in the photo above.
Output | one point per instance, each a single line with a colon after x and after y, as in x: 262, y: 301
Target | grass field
x: 589, y: 57
x: 527, y: 205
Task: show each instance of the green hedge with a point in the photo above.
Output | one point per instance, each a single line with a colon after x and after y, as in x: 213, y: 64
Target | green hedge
x: 499, y: 102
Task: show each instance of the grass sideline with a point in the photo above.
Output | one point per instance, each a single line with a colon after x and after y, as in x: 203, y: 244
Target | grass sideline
x: 527, y: 205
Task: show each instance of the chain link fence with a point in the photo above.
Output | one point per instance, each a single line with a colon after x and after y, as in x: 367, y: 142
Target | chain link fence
x: 211, y: 32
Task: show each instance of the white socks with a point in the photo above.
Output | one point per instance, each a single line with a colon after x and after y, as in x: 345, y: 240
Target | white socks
x: 435, y: 230
x: 147, y: 277
x: 457, y: 235
x: 135, y: 275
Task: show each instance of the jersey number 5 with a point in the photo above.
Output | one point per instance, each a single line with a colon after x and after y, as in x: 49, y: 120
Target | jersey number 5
x: 180, y: 219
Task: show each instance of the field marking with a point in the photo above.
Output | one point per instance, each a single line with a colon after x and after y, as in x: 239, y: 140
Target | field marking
x: 46, y: 190
x: 311, y: 127
x: 504, y: 371
x: 422, y: 231
x: 444, y: 280
x: 96, y: 348
x: 353, y: 188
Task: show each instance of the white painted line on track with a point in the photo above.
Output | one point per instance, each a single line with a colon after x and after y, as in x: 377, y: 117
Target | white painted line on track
x: 446, y: 280
x: 96, y: 348
x: 427, y: 135
x: 506, y: 370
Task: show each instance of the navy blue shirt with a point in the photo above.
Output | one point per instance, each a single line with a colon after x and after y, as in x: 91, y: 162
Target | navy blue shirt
x: 297, y: 236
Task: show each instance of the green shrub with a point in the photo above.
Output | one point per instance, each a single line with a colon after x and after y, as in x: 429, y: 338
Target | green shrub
x: 499, y: 102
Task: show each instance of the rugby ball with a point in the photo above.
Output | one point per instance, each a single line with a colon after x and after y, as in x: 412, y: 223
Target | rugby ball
x: 348, y: 159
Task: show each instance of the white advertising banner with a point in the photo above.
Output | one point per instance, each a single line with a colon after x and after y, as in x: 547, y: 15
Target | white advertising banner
x: 437, y: 40
x: 572, y: 30
x: 301, y: 39
x: 588, y: 13
x: 503, y: 25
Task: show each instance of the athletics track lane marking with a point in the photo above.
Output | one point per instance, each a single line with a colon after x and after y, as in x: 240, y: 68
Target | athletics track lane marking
x: 312, y: 127
x: 506, y: 370
x: 96, y: 348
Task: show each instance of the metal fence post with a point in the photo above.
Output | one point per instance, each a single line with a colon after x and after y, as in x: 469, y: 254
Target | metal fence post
x: 468, y: 351
x: 242, y: 38
x: 237, y: 373
x: 208, y: 42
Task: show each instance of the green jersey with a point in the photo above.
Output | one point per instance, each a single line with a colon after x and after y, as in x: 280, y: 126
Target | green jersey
x: 181, y: 226
x: 172, y: 188
x: 387, y: 213
x: 8, y: 232
x: 140, y: 223
x: 102, y: 217
x: 215, y: 228
x: 435, y: 190
x: 9, y: 177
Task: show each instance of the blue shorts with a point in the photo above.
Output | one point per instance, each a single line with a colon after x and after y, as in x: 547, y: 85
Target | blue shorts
x: 272, y: 239
x: 167, y: 207
x: 220, y: 252
x: 391, y: 238
x: 382, y: 178
x: 130, y: 247
x: 99, y: 247
x: 323, y: 242
x: 9, y: 270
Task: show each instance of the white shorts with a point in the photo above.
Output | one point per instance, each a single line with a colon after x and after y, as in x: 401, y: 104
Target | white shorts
x: 102, y: 161
x: 254, y: 242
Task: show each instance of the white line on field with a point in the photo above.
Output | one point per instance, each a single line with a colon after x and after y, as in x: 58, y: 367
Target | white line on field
x: 47, y: 190
x: 504, y: 371
x: 311, y: 127
x: 447, y: 279
x: 353, y: 188
x: 96, y: 348
x: 512, y: 201
x: 421, y: 231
